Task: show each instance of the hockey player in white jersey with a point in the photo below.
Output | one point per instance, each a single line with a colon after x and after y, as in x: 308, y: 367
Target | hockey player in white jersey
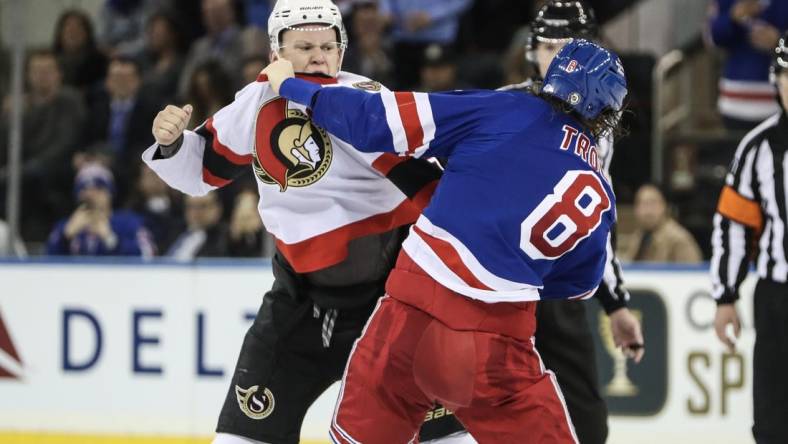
x: 337, y: 219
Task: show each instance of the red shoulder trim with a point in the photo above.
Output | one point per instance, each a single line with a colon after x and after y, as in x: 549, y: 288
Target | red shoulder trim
x: 224, y: 151
x: 330, y: 248
x: 315, y: 78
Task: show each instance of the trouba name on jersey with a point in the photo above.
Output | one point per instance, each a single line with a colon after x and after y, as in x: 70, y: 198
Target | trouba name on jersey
x: 583, y: 148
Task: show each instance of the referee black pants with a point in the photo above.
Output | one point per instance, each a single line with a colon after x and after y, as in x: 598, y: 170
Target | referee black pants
x: 564, y: 340
x: 770, y: 363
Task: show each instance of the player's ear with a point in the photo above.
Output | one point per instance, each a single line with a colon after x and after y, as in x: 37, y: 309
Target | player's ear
x: 273, y: 56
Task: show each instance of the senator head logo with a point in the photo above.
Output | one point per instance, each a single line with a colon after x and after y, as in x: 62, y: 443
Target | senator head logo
x: 289, y: 150
x: 255, y: 403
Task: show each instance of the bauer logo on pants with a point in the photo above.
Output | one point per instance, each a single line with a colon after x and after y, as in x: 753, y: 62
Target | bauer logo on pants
x: 255, y: 405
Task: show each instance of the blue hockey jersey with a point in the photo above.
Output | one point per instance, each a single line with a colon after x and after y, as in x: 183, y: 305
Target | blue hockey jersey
x: 523, y: 211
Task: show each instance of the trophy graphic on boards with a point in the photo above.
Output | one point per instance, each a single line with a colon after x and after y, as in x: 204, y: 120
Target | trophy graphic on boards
x: 620, y: 384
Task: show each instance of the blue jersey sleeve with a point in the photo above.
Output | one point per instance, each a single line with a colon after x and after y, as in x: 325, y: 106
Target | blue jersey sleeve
x: 406, y: 123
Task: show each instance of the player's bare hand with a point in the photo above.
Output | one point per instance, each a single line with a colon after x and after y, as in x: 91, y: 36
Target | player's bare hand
x: 245, y: 219
x: 80, y: 219
x: 727, y: 315
x: 418, y: 21
x: 170, y: 123
x: 764, y: 36
x: 278, y: 72
x: 627, y: 333
x: 744, y: 10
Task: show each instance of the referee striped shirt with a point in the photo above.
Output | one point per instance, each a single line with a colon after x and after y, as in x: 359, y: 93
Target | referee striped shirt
x: 751, y: 214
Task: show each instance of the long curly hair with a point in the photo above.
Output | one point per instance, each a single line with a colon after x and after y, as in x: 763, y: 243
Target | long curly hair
x: 607, y: 123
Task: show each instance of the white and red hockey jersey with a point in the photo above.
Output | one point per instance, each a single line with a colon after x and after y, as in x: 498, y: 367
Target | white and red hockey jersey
x: 523, y: 211
x: 317, y: 193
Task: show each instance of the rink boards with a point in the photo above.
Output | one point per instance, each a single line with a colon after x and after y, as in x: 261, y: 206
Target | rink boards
x: 133, y: 353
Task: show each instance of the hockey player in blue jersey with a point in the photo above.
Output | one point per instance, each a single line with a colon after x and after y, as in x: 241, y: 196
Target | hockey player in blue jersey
x: 521, y: 214
x: 564, y: 336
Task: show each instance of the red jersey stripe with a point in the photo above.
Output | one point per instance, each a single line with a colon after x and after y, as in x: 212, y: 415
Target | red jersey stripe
x: 222, y: 150
x: 330, y: 248
x: 769, y: 97
x: 386, y: 162
x: 210, y: 179
x: 414, y: 133
x: 448, y: 255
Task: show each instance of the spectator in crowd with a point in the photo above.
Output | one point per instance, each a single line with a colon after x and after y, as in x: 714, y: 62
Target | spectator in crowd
x: 123, y: 25
x: 748, y: 30
x: 5, y: 71
x: 346, y: 6
x: 516, y: 69
x: 210, y: 89
x: 366, y: 54
x: 489, y: 25
x: 439, y: 72
x: 190, y: 15
x: 83, y: 65
x: 247, y: 235
x: 16, y: 248
x: 222, y: 42
x: 257, y: 11
x: 207, y: 236
x: 160, y: 208
x: 164, y: 55
x: 254, y: 41
x: 659, y: 238
x: 415, y: 25
x: 121, y: 117
x: 52, y: 117
x: 94, y: 229
x: 252, y: 66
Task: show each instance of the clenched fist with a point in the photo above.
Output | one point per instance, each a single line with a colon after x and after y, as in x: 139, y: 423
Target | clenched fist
x: 278, y: 72
x: 727, y: 315
x: 170, y: 123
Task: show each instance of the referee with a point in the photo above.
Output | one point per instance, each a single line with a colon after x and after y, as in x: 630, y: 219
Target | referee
x: 752, y: 208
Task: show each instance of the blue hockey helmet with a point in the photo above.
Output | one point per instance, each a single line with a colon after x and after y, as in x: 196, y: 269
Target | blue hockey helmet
x: 587, y: 77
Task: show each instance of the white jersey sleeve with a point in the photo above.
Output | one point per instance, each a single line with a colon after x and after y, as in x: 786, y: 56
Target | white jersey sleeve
x: 217, y: 151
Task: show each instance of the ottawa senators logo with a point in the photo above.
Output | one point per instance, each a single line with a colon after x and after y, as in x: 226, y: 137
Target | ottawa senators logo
x: 254, y: 405
x: 289, y: 149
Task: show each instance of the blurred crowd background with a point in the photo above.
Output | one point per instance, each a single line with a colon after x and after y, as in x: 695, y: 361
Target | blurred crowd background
x: 96, y: 72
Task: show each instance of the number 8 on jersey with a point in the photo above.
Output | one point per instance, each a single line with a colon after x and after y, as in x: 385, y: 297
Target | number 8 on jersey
x: 565, y: 217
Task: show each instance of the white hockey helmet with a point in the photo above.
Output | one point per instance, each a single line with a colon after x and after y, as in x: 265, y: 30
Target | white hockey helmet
x: 289, y: 14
